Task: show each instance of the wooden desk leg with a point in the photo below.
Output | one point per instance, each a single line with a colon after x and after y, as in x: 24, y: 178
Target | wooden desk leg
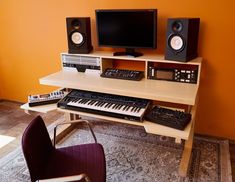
x: 183, y: 168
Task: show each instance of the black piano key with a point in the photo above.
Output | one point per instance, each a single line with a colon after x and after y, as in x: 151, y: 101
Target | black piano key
x: 119, y: 107
x: 86, y: 101
x: 97, y: 103
x: 128, y: 107
x: 81, y: 101
x: 103, y: 103
x: 110, y: 105
x: 106, y: 105
x: 100, y: 104
x: 136, y: 108
x: 133, y: 108
x: 89, y: 103
x: 94, y: 103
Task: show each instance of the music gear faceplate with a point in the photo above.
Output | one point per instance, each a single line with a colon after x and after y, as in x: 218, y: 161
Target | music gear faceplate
x: 185, y: 73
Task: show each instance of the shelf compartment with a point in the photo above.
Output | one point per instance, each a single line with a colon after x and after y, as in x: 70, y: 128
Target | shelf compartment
x: 149, y: 127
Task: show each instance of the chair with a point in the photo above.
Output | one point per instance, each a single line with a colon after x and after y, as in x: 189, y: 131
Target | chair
x: 45, y: 161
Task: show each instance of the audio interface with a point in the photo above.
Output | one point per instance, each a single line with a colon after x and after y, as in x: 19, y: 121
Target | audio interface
x: 188, y: 75
x: 75, y: 62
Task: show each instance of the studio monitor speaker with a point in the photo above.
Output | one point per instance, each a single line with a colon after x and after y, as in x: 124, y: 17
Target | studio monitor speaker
x: 79, y: 35
x: 182, y: 39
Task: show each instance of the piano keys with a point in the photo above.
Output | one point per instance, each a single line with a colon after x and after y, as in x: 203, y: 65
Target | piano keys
x: 123, y: 107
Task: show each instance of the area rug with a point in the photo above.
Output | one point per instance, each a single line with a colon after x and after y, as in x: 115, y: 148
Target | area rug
x: 132, y: 155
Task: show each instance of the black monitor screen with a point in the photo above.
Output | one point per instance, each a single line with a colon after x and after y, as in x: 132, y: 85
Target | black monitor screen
x: 127, y: 28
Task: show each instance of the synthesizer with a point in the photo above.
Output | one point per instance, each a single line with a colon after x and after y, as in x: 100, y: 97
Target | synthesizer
x: 169, y: 117
x: 128, y: 108
x: 123, y: 74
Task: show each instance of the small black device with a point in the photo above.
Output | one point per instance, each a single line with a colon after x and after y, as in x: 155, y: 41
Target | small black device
x: 127, y: 28
x: 83, y: 68
x: 182, y: 39
x: 79, y: 35
x: 42, y: 99
x: 173, y: 74
x: 123, y: 74
x: 168, y: 117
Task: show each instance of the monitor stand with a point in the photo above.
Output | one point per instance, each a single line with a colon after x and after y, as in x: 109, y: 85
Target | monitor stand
x: 128, y: 52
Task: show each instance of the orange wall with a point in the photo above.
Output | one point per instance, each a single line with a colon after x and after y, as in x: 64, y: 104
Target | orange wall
x: 33, y: 34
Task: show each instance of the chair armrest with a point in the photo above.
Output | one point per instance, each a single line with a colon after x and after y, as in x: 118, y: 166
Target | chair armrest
x: 75, y: 122
x: 67, y: 178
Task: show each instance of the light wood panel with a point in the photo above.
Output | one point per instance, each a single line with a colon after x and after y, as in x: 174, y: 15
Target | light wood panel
x: 41, y: 109
x: 145, y: 57
x: 174, y: 92
x: 150, y: 127
x: 183, y: 93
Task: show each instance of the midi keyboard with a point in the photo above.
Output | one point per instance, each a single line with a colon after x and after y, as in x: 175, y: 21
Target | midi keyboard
x: 123, y: 107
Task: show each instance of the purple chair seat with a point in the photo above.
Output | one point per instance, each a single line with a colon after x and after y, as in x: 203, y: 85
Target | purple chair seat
x: 75, y: 160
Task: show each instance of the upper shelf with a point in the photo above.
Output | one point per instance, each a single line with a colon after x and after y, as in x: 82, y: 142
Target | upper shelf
x: 175, y: 92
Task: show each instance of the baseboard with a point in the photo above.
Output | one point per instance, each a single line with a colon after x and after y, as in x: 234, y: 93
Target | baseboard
x: 13, y: 101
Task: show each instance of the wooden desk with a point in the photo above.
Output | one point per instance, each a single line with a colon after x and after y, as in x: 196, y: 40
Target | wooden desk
x: 156, y: 90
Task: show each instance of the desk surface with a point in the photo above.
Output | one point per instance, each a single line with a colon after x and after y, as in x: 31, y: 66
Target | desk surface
x: 174, y: 92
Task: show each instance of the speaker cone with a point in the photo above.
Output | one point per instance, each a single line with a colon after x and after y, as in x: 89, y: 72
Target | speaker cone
x: 176, y: 42
x: 77, y: 38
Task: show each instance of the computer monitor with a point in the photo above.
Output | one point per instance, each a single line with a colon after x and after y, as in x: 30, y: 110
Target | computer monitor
x: 129, y: 29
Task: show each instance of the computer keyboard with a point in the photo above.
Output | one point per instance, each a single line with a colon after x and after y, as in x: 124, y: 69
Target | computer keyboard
x: 123, y: 74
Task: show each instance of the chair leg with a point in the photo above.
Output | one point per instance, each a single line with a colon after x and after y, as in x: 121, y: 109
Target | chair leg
x: 64, y: 130
x: 71, y: 127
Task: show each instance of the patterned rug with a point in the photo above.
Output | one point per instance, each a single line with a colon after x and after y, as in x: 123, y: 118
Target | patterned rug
x: 132, y: 155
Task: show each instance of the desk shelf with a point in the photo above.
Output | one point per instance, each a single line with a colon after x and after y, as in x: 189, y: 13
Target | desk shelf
x: 149, y: 127
x: 174, y: 92
x: 42, y: 108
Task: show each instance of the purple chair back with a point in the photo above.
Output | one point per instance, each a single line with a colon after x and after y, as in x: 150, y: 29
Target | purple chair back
x: 36, y: 146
